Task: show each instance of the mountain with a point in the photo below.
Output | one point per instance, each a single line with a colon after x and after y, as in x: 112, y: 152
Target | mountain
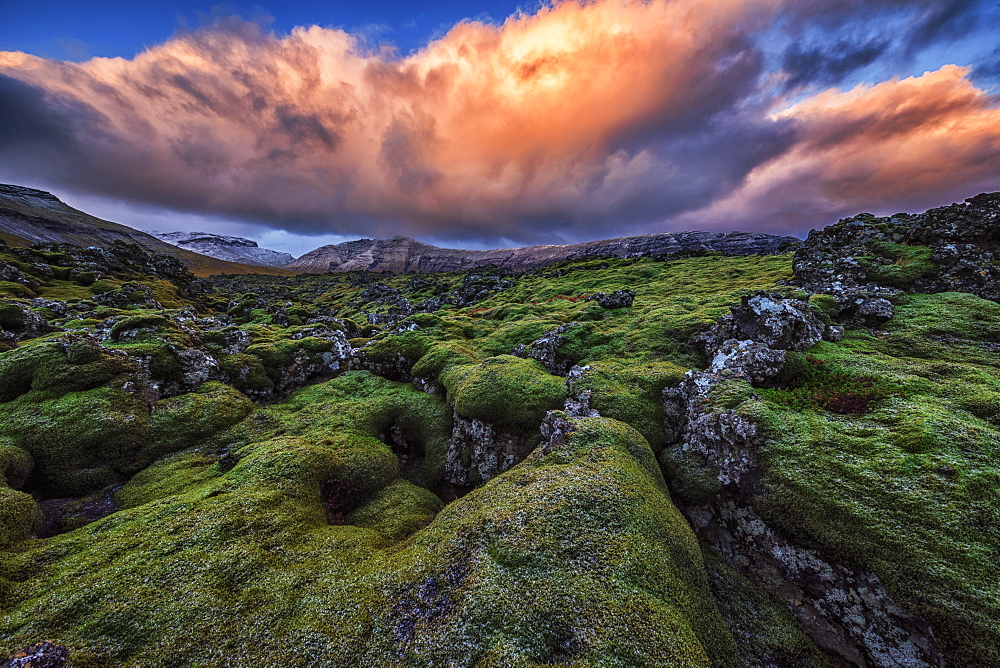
x: 404, y: 255
x: 231, y: 249
x: 29, y: 216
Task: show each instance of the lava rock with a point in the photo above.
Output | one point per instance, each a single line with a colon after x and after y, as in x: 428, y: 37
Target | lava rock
x: 617, y: 299
x: 45, y: 654
x: 770, y: 319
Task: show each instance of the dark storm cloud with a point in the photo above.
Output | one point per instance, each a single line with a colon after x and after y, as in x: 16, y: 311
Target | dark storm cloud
x: 950, y: 19
x: 826, y: 65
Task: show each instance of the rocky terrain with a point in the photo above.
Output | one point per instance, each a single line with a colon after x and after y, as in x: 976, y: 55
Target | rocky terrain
x: 29, y: 216
x: 231, y: 249
x: 403, y: 255
x: 689, y: 459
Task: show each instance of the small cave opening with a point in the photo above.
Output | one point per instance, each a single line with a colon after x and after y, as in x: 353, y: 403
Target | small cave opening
x: 408, y: 448
x: 340, y: 497
x: 64, y: 514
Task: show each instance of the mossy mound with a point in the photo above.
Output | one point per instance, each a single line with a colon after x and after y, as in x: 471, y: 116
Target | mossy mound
x: 508, y: 391
x: 203, y: 566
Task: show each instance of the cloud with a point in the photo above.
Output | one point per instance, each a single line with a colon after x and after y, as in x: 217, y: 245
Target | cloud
x: 580, y: 120
x: 827, y: 65
x: 901, y: 145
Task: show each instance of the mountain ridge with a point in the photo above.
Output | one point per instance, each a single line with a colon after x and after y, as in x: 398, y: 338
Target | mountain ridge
x: 405, y: 255
x: 230, y: 249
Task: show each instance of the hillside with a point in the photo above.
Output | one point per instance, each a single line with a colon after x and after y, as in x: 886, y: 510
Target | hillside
x: 29, y: 216
x: 783, y: 459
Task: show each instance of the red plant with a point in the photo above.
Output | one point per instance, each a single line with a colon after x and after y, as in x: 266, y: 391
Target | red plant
x: 821, y: 385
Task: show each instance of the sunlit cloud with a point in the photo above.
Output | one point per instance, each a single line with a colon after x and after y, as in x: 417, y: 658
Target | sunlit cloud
x: 901, y: 145
x: 580, y: 120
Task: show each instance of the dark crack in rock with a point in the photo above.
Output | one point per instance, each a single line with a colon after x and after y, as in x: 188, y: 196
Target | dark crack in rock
x: 846, y: 610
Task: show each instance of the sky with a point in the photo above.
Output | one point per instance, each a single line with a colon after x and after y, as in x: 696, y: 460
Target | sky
x: 485, y: 124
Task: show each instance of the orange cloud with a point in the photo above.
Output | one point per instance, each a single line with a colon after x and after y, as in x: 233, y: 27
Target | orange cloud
x: 553, y: 123
x: 902, y: 145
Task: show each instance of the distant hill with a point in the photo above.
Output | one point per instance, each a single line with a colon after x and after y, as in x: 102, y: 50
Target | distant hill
x: 29, y: 216
x: 231, y: 249
x: 403, y: 255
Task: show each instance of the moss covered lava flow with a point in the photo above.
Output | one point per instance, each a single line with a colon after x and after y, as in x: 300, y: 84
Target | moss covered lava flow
x: 480, y: 468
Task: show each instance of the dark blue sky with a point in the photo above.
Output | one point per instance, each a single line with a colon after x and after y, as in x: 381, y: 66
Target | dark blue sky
x: 77, y: 30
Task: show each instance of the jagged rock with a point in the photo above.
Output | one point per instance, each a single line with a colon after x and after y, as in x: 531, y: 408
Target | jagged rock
x: 45, y: 654
x: 555, y: 428
x: 479, y: 451
x: 546, y: 350
x: 9, y: 272
x: 398, y: 368
x: 400, y: 254
x: 864, y: 311
x: 770, y: 319
x: 749, y: 359
x: 197, y: 367
x: 617, y: 299
x: 19, y: 323
x: 845, y: 610
x: 478, y: 286
x: 950, y: 248
x: 726, y: 443
x: 129, y: 295
x: 579, y: 406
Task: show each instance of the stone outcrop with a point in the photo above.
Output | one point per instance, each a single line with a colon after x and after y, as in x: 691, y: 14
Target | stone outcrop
x: 45, y: 654
x: 479, y: 451
x: 950, y: 248
x: 231, y: 249
x: 18, y: 323
x: 769, y: 319
x: 401, y: 255
x: 546, y: 350
x: 616, y: 299
x: 846, y: 610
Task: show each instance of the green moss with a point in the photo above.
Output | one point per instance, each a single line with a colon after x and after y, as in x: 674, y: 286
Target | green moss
x: 167, y: 477
x: 15, y: 464
x: 631, y: 393
x: 442, y: 356
x: 19, y: 516
x: 247, y: 373
x: 573, y: 557
x: 195, y: 417
x: 59, y: 365
x: 508, y: 391
x: 910, y: 490
x: 79, y: 441
x: 153, y: 323
x: 908, y: 264
x: 11, y: 316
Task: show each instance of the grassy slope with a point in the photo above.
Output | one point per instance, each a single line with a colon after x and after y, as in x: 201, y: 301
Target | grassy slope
x: 81, y: 229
